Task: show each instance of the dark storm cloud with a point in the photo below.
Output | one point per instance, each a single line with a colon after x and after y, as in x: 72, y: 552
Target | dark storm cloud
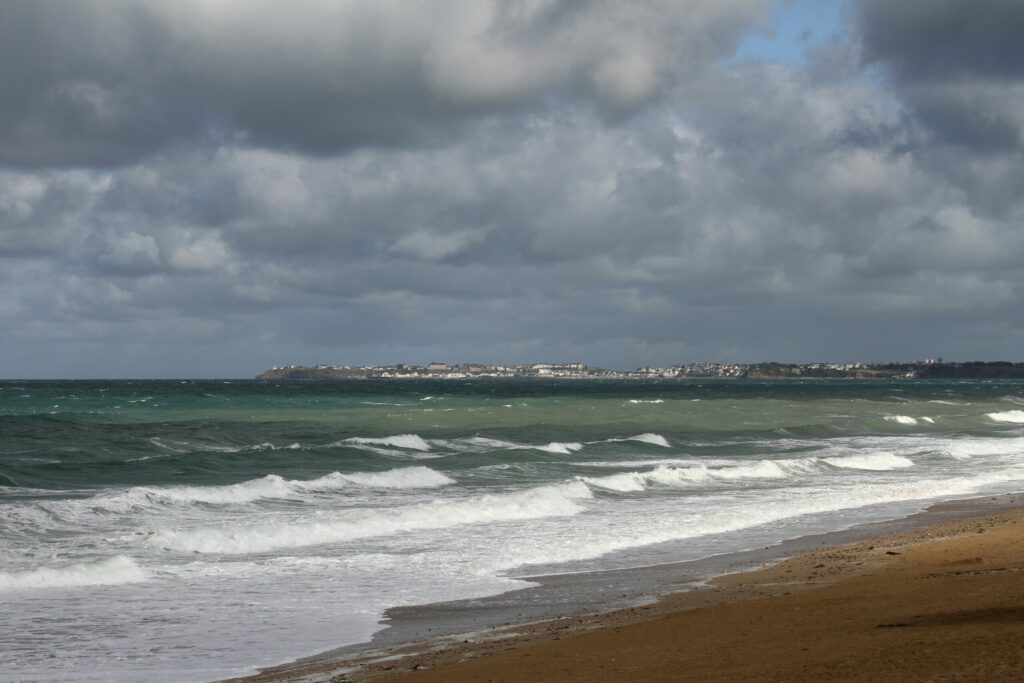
x: 959, y: 63
x: 86, y: 84
x: 945, y: 39
x: 101, y: 83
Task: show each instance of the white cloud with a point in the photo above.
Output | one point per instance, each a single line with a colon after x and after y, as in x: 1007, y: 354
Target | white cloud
x: 202, y: 253
x: 431, y: 245
x: 131, y: 251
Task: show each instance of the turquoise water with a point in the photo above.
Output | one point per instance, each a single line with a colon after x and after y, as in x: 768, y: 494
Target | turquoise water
x: 188, y: 530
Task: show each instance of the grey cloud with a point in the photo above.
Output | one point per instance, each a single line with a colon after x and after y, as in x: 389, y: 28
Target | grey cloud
x: 593, y: 232
x: 45, y: 214
x: 928, y: 40
x: 745, y: 211
x: 129, y: 253
x: 83, y: 84
x: 99, y: 83
x: 959, y: 63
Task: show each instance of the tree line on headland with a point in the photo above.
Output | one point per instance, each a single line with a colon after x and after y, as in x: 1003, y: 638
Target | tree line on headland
x: 926, y: 370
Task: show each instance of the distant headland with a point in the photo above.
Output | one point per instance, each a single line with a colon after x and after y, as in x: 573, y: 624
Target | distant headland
x: 931, y: 368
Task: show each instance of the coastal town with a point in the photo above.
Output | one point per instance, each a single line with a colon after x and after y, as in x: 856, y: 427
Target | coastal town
x: 929, y: 368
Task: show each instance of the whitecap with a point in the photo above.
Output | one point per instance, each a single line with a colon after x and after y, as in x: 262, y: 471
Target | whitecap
x: 269, y: 487
x: 871, y: 461
x: 475, y: 444
x: 274, y: 486
x: 543, y: 501
x: 106, y: 572
x: 1014, y: 416
x: 765, y: 469
x: 412, y: 442
x: 902, y: 419
x: 401, y: 478
x: 559, y: 447
x: 181, y: 447
x: 653, y: 439
x: 677, y: 477
x: 624, y: 482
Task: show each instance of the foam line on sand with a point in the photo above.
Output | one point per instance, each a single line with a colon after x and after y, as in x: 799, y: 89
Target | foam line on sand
x: 940, y: 599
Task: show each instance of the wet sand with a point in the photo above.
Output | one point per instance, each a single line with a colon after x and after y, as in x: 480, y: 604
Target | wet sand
x: 942, y: 602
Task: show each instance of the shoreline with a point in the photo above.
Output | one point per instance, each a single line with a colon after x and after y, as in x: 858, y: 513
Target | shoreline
x: 425, y: 637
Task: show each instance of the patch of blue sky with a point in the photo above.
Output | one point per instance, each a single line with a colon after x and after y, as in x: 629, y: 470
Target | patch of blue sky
x: 795, y: 26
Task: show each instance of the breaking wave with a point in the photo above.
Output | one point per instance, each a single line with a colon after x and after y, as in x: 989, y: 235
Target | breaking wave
x: 1014, y: 416
x: 412, y: 442
x: 875, y: 461
x: 965, y: 449
x: 181, y: 447
x: 543, y: 501
x: 473, y: 444
x: 559, y: 447
x: 273, y: 486
x: 107, y: 572
x: 654, y: 439
x: 676, y: 477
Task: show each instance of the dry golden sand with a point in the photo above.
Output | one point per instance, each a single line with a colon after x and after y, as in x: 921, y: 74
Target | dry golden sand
x: 939, y: 603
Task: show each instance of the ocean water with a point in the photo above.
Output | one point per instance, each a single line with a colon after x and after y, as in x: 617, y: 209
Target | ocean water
x: 191, y: 530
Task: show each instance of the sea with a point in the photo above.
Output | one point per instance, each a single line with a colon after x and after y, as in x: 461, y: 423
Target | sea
x: 192, y: 530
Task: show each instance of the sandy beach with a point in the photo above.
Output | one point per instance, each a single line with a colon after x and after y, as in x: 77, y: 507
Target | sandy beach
x: 941, y: 602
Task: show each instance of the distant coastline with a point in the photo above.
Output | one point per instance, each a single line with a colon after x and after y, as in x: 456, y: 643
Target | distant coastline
x: 926, y: 369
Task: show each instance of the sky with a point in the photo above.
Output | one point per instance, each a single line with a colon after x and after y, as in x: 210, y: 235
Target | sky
x: 208, y: 188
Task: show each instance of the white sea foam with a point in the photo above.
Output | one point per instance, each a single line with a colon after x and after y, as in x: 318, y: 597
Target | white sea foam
x: 699, y: 520
x: 475, y: 444
x: 1014, y: 416
x: 270, y: 486
x: 190, y: 447
x: 641, y: 400
x: 654, y: 439
x: 965, y: 449
x: 412, y: 442
x: 872, y: 461
x: 106, y: 572
x: 765, y: 469
x: 480, y: 444
x: 677, y: 477
x: 542, y: 501
x: 625, y: 482
x: 654, y: 462
x: 902, y: 419
x: 402, y: 478
x: 273, y: 486
x: 674, y: 476
x: 560, y: 447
